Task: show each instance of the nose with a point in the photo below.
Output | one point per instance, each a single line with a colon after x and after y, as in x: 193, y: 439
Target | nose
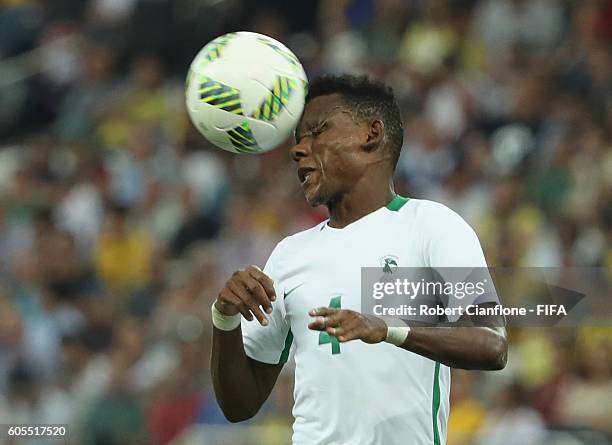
x: 300, y: 150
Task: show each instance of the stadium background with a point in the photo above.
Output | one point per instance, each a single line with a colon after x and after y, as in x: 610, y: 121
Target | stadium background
x: 119, y: 223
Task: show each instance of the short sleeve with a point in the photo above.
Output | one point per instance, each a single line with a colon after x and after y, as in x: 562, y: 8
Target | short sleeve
x: 449, y: 241
x: 269, y: 344
x: 452, y: 248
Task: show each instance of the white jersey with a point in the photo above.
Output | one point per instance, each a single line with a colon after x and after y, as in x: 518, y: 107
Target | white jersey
x: 355, y: 393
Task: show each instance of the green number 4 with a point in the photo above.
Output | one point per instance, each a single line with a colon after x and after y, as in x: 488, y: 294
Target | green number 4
x: 324, y: 337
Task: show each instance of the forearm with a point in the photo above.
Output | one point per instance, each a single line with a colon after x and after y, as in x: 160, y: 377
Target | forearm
x: 234, y: 379
x: 460, y: 347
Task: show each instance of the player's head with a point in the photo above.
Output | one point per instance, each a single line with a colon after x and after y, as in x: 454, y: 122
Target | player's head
x: 351, y: 127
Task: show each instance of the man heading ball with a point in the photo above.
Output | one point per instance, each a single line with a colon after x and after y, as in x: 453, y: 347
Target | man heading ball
x: 357, y: 381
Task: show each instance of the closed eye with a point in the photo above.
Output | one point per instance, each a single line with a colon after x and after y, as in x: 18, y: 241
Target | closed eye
x: 312, y: 131
x: 319, y: 129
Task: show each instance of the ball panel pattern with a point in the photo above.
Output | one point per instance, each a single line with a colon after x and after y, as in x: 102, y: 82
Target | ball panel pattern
x: 219, y: 95
x: 287, y: 55
x: 276, y: 100
x: 215, y: 48
x: 242, y: 139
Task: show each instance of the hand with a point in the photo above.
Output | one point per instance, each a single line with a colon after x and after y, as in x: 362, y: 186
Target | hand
x: 249, y: 292
x: 348, y: 325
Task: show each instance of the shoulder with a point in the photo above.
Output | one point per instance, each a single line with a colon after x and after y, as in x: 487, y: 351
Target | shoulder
x: 429, y: 211
x: 447, y: 239
x: 435, y: 220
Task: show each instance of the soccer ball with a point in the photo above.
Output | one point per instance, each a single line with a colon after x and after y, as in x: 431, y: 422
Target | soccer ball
x: 245, y: 92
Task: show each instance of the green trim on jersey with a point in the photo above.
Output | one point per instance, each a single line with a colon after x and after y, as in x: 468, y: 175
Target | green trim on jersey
x: 435, y: 403
x: 285, y: 354
x: 397, y: 203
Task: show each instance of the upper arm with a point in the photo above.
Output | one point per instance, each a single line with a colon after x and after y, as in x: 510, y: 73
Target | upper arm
x: 265, y: 376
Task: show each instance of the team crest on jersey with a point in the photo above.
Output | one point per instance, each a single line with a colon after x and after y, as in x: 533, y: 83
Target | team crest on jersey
x: 389, y: 263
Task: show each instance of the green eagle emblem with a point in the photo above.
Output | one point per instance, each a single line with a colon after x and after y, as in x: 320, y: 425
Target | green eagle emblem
x: 388, y: 263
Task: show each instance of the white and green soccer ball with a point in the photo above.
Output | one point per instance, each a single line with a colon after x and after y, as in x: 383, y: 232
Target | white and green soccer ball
x: 245, y: 92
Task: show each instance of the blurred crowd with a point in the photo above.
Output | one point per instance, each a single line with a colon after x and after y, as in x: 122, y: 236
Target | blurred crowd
x: 119, y: 222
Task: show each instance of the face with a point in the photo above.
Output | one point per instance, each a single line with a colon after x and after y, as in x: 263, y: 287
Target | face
x: 329, y: 150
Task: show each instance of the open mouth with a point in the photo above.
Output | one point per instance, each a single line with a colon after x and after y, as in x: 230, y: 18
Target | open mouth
x: 304, y: 173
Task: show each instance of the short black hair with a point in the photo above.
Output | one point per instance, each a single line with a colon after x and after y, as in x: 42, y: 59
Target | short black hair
x: 367, y: 98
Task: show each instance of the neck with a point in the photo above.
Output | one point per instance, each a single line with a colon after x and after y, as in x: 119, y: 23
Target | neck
x: 360, y: 201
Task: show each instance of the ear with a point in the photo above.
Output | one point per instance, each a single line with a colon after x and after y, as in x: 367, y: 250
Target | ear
x: 375, y: 135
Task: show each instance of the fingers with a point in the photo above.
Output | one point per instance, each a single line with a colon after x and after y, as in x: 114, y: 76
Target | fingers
x: 368, y: 329
x: 344, y: 328
x: 326, y: 318
x: 344, y: 324
x: 266, y: 282
x: 250, y: 292
x: 246, y: 299
x: 257, y: 291
x: 227, y: 297
x: 352, y: 334
x: 323, y: 311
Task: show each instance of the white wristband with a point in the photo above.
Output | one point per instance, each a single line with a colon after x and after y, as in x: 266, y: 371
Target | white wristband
x: 224, y: 322
x: 397, y: 336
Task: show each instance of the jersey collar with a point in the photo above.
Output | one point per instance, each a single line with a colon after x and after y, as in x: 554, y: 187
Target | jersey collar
x: 397, y: 203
